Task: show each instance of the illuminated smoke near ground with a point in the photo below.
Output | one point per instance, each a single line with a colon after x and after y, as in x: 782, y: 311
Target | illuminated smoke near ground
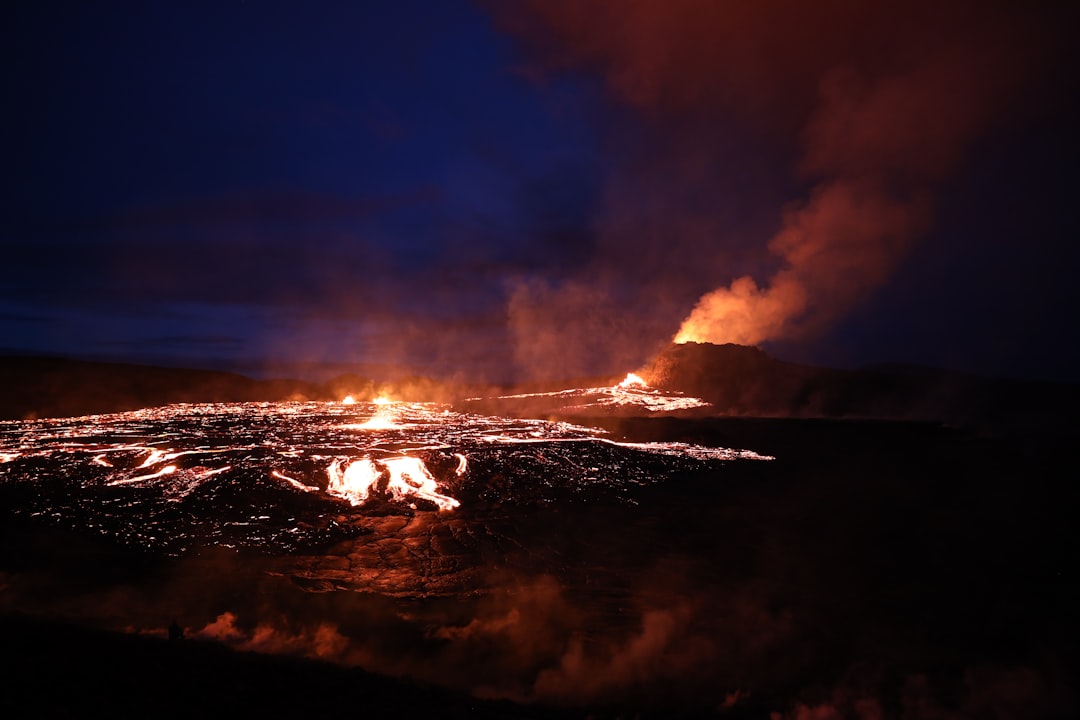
x: 866, y: 111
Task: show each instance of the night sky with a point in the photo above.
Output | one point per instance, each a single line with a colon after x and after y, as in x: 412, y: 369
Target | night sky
x: 540, y: 189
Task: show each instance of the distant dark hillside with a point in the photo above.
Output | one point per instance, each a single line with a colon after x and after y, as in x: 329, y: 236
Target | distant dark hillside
x: 740, y: 380
x: 737, y: 380
x: 32, y: 387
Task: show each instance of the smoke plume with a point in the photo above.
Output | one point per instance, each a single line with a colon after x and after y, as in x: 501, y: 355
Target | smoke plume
x: 859, y: 113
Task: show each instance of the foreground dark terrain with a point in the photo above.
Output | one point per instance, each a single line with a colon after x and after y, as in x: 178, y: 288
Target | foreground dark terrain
x: 874, y: 568
x: 53, y: 669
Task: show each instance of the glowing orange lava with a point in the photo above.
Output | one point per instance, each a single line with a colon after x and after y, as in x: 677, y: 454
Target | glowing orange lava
x: 167, y: 470
x: 407, y: 476
x: 287, y: 441
x: 384, y: 418
x: 355, y: 483
x: 631, y: 392
x: 293, y: 481
x: 153, y: 458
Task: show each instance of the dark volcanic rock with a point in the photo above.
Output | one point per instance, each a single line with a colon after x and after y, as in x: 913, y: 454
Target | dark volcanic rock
x: 741, y: 380
x: 54, y: 669
x: 737, y: 379
x: 58, y: 387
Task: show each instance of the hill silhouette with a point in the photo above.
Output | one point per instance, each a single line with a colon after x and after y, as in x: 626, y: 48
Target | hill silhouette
x: 741, y: 380
x: 737, y: 380
x: 37, y: 387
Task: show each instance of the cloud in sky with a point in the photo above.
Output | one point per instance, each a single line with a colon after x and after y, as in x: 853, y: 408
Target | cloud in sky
x: 557, y: 181
x: 868, y: 110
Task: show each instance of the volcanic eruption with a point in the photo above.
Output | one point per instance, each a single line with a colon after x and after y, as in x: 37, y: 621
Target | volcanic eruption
x: 869, y: 114
x: 630, y: 558
x: 720, y: 532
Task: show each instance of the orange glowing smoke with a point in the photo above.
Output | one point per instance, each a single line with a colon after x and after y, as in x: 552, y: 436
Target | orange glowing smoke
x: 837, y: 249
x: 874, y: 105
x: 743, y: 313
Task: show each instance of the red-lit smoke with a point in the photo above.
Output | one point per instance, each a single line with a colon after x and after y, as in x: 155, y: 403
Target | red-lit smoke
x: 870, y: 106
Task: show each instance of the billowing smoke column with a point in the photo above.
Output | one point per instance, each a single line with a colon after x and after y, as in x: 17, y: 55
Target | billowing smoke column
x: 870, y: 107
x: 876, y: 144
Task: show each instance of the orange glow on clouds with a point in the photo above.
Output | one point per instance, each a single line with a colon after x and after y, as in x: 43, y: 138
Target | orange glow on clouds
x: 743, y: 313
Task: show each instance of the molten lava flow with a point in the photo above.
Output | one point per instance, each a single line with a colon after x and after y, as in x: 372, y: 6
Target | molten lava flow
x: 153, y: 458
x: 219, y: 456
x: 744, y: 313
x: 167, y: 470
x: 293, y: 481
x: 203, y: 473
x: 632, y: 392
x: 407, y: 476
x: 384, y: 418
x: 375, y: 422
x: 355, y: 483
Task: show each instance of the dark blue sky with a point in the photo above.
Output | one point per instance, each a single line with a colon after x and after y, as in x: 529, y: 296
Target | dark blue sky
x: 425, y: 182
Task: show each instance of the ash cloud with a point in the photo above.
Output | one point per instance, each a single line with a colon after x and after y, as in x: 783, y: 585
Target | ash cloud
x: 780, y: 159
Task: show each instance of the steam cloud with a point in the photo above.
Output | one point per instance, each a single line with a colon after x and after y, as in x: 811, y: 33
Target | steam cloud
x: 865, y: 110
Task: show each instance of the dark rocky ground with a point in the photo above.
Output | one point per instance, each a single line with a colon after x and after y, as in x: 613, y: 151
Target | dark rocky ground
x: 876, y: 568
x: 925, y: 570
x: 53, y: 669
x: 746, y: 381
